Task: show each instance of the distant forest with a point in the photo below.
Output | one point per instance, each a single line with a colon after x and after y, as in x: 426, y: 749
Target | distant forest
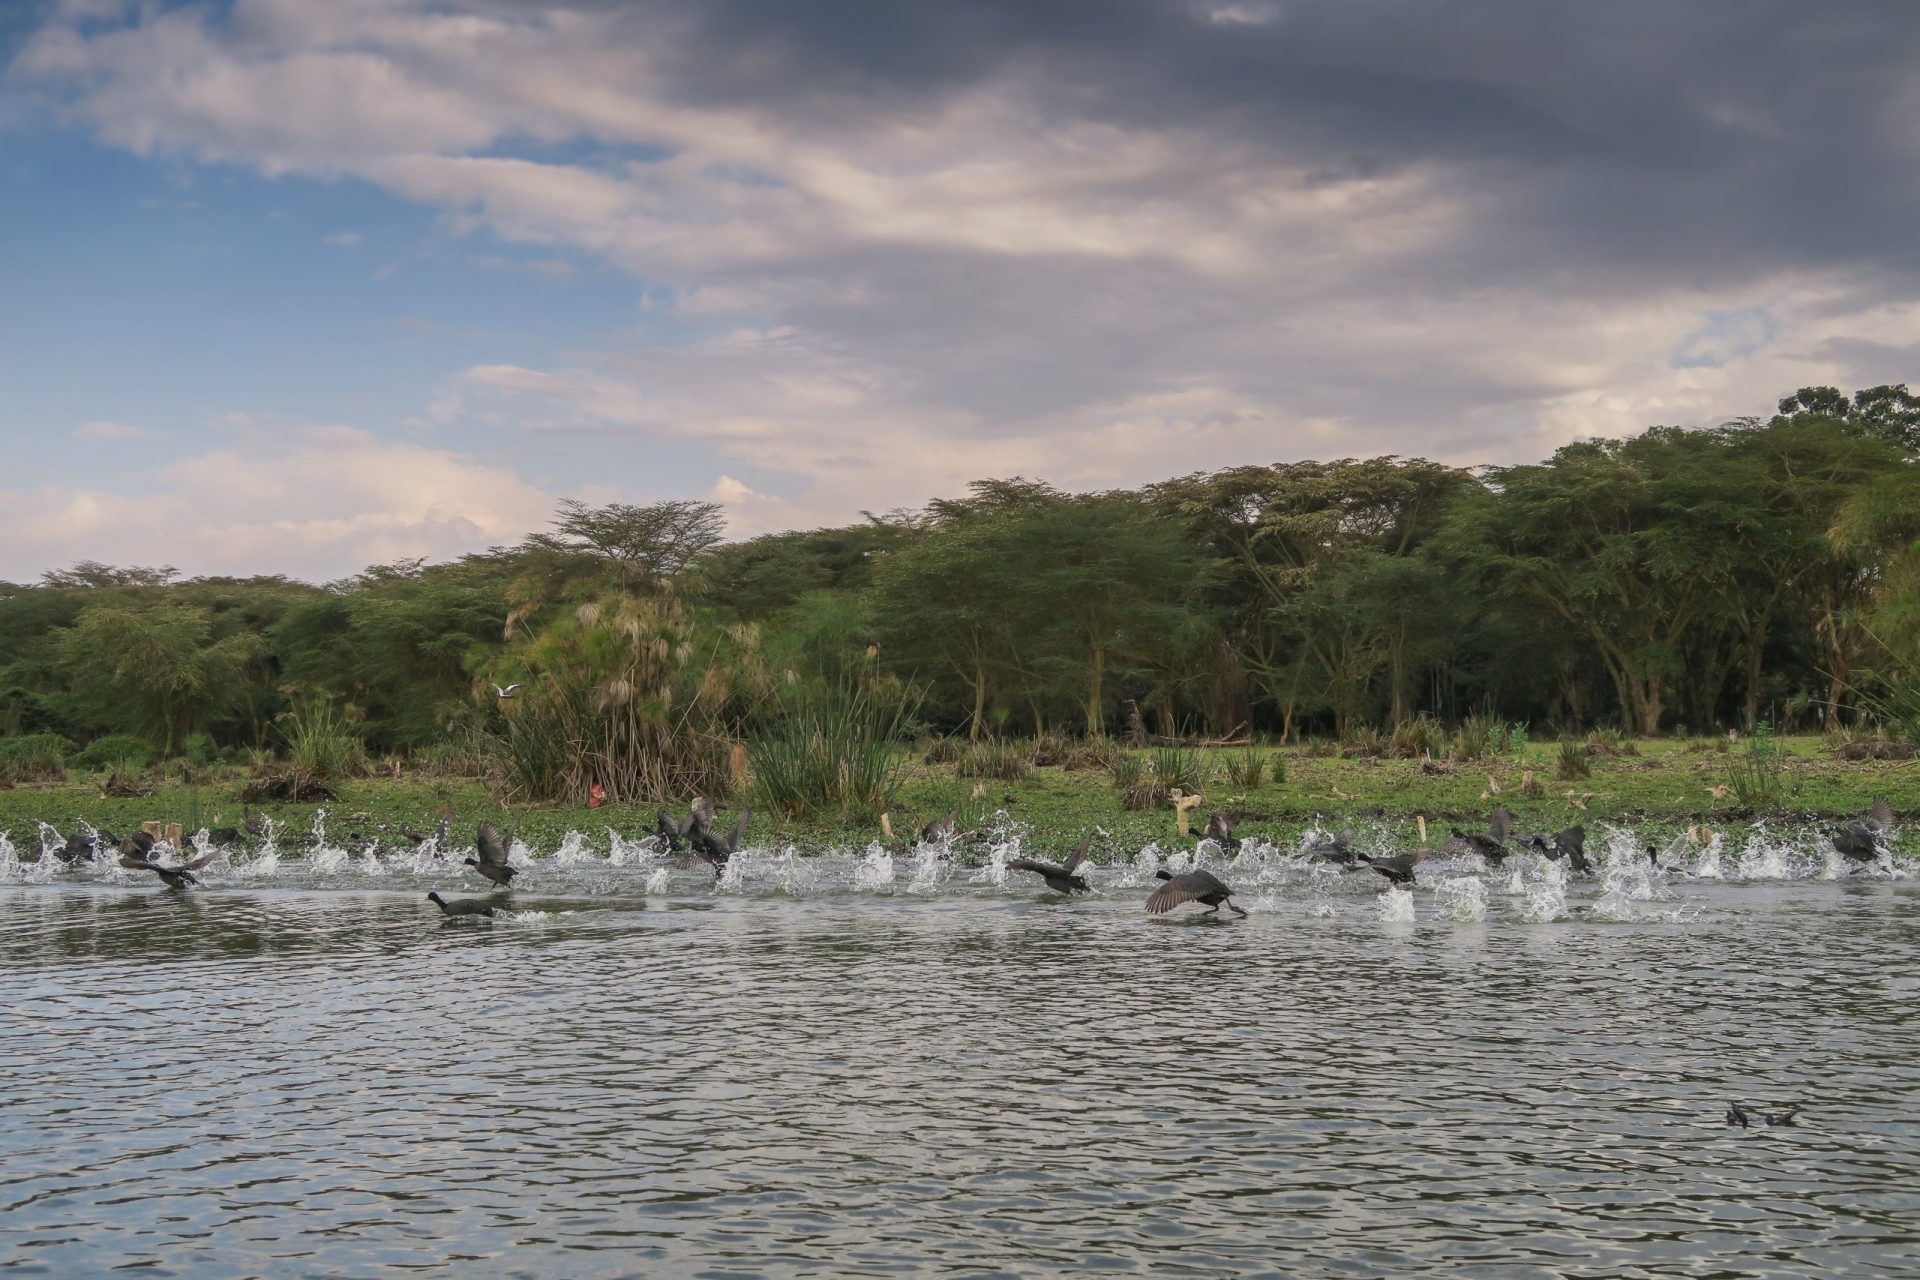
x: 1761, y: 571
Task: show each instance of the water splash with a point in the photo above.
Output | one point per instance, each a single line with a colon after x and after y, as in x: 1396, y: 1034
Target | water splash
x: 573, y: 851
x: 1546, y: 897
x: 1396, y: 905
x: 657, y: 881
x: 1462, y: 898
x: 875, y: 870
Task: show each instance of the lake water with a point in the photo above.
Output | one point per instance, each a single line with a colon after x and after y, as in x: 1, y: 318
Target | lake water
x: 864, y: 1066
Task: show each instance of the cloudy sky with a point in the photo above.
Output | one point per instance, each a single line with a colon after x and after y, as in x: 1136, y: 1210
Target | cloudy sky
x: 303, y: 285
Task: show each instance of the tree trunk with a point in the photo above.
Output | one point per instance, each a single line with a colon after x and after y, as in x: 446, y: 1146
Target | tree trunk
x: 1756, y: 644
x: 1094, y: 722
x: 979, y: 703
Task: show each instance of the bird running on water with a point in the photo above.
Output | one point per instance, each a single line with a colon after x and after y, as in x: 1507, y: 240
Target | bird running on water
x: 492, y: 862
x: 1859, y: 841
x: 1060, y: 877
x: 1191, y: 886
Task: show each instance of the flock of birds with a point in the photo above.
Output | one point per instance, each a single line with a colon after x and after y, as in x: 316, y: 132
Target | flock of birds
x: 695, y: 840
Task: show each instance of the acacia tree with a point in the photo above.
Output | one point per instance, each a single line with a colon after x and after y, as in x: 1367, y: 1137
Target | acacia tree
x: 1297, y: 546
x: 154, y: 667
x: 1580, y: 536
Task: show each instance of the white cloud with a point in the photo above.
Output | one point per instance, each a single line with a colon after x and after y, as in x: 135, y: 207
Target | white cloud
x: 983, y: 281
x: 316, y: 502
x: 343, y: 239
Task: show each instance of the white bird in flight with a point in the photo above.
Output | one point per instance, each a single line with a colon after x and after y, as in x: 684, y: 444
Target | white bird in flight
x: 506, y: 692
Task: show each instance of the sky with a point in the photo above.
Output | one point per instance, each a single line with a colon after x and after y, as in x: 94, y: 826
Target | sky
x: 300, y: 286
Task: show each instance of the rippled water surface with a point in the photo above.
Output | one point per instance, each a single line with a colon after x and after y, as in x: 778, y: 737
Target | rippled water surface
x: 882, y: 1066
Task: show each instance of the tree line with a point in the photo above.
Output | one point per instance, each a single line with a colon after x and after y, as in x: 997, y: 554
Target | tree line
x: 1763, y: 570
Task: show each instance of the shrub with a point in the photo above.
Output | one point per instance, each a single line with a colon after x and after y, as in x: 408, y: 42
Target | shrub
x: 1420, y: 736
x: 116, y: 751
x: 1364, y: 743
x: 1097, y: 752
x: 1481, y: 736
x: 200, y: 748
x: 999, y: 758
x: 1049, y: 749
x: 944, y: 750
x: 1128, y: 770
x: 1610, y: 742
x: 1279, y: 769
x: 35, y: 757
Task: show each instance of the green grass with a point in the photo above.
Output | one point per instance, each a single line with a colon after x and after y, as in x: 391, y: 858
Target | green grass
x: 1665, y: 785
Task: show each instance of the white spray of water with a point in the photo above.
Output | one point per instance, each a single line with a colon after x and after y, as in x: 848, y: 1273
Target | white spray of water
x: 875, y: 870
x: 657, y: 881
x: 572, y: 851
x: 1463, y: 898
x: 1546, y: 898
x: 1396, y: 905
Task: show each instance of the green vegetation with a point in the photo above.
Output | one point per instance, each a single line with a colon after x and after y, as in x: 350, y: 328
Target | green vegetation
x: 1381, y: 614
x: 1664, y: 784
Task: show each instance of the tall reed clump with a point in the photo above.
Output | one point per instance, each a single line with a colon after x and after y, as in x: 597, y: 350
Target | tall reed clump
x: 1246, y: 770
x: 320, y: 747
x: 1481, y: 736
x: 630, y: 693
x: 831, y: 751
x: 1759, y: 778
x: 1139, y: 786
x: 1575, y: 761
x: 1178, y: 767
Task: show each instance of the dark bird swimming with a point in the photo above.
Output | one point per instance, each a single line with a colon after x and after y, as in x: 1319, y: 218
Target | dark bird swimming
x: 462, y: 906
x: 492, y: 862
x: 1738, y: 1115
x: 1059, y: 877
x: 1191, y: 886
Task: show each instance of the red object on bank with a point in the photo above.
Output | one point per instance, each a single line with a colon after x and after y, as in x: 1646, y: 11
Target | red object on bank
x: 596, y: 797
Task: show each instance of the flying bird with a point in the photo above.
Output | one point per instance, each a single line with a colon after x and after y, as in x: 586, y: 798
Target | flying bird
x: 492, y: 862
x: 136, y: 855
x: 1570, y: 843
x: 1191, y: 886
x: 1060, y: 877
x: 507, y: 692
x: 711, y: 847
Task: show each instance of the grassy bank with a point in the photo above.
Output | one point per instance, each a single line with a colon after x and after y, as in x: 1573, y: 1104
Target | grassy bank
x: 1662, y: 783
